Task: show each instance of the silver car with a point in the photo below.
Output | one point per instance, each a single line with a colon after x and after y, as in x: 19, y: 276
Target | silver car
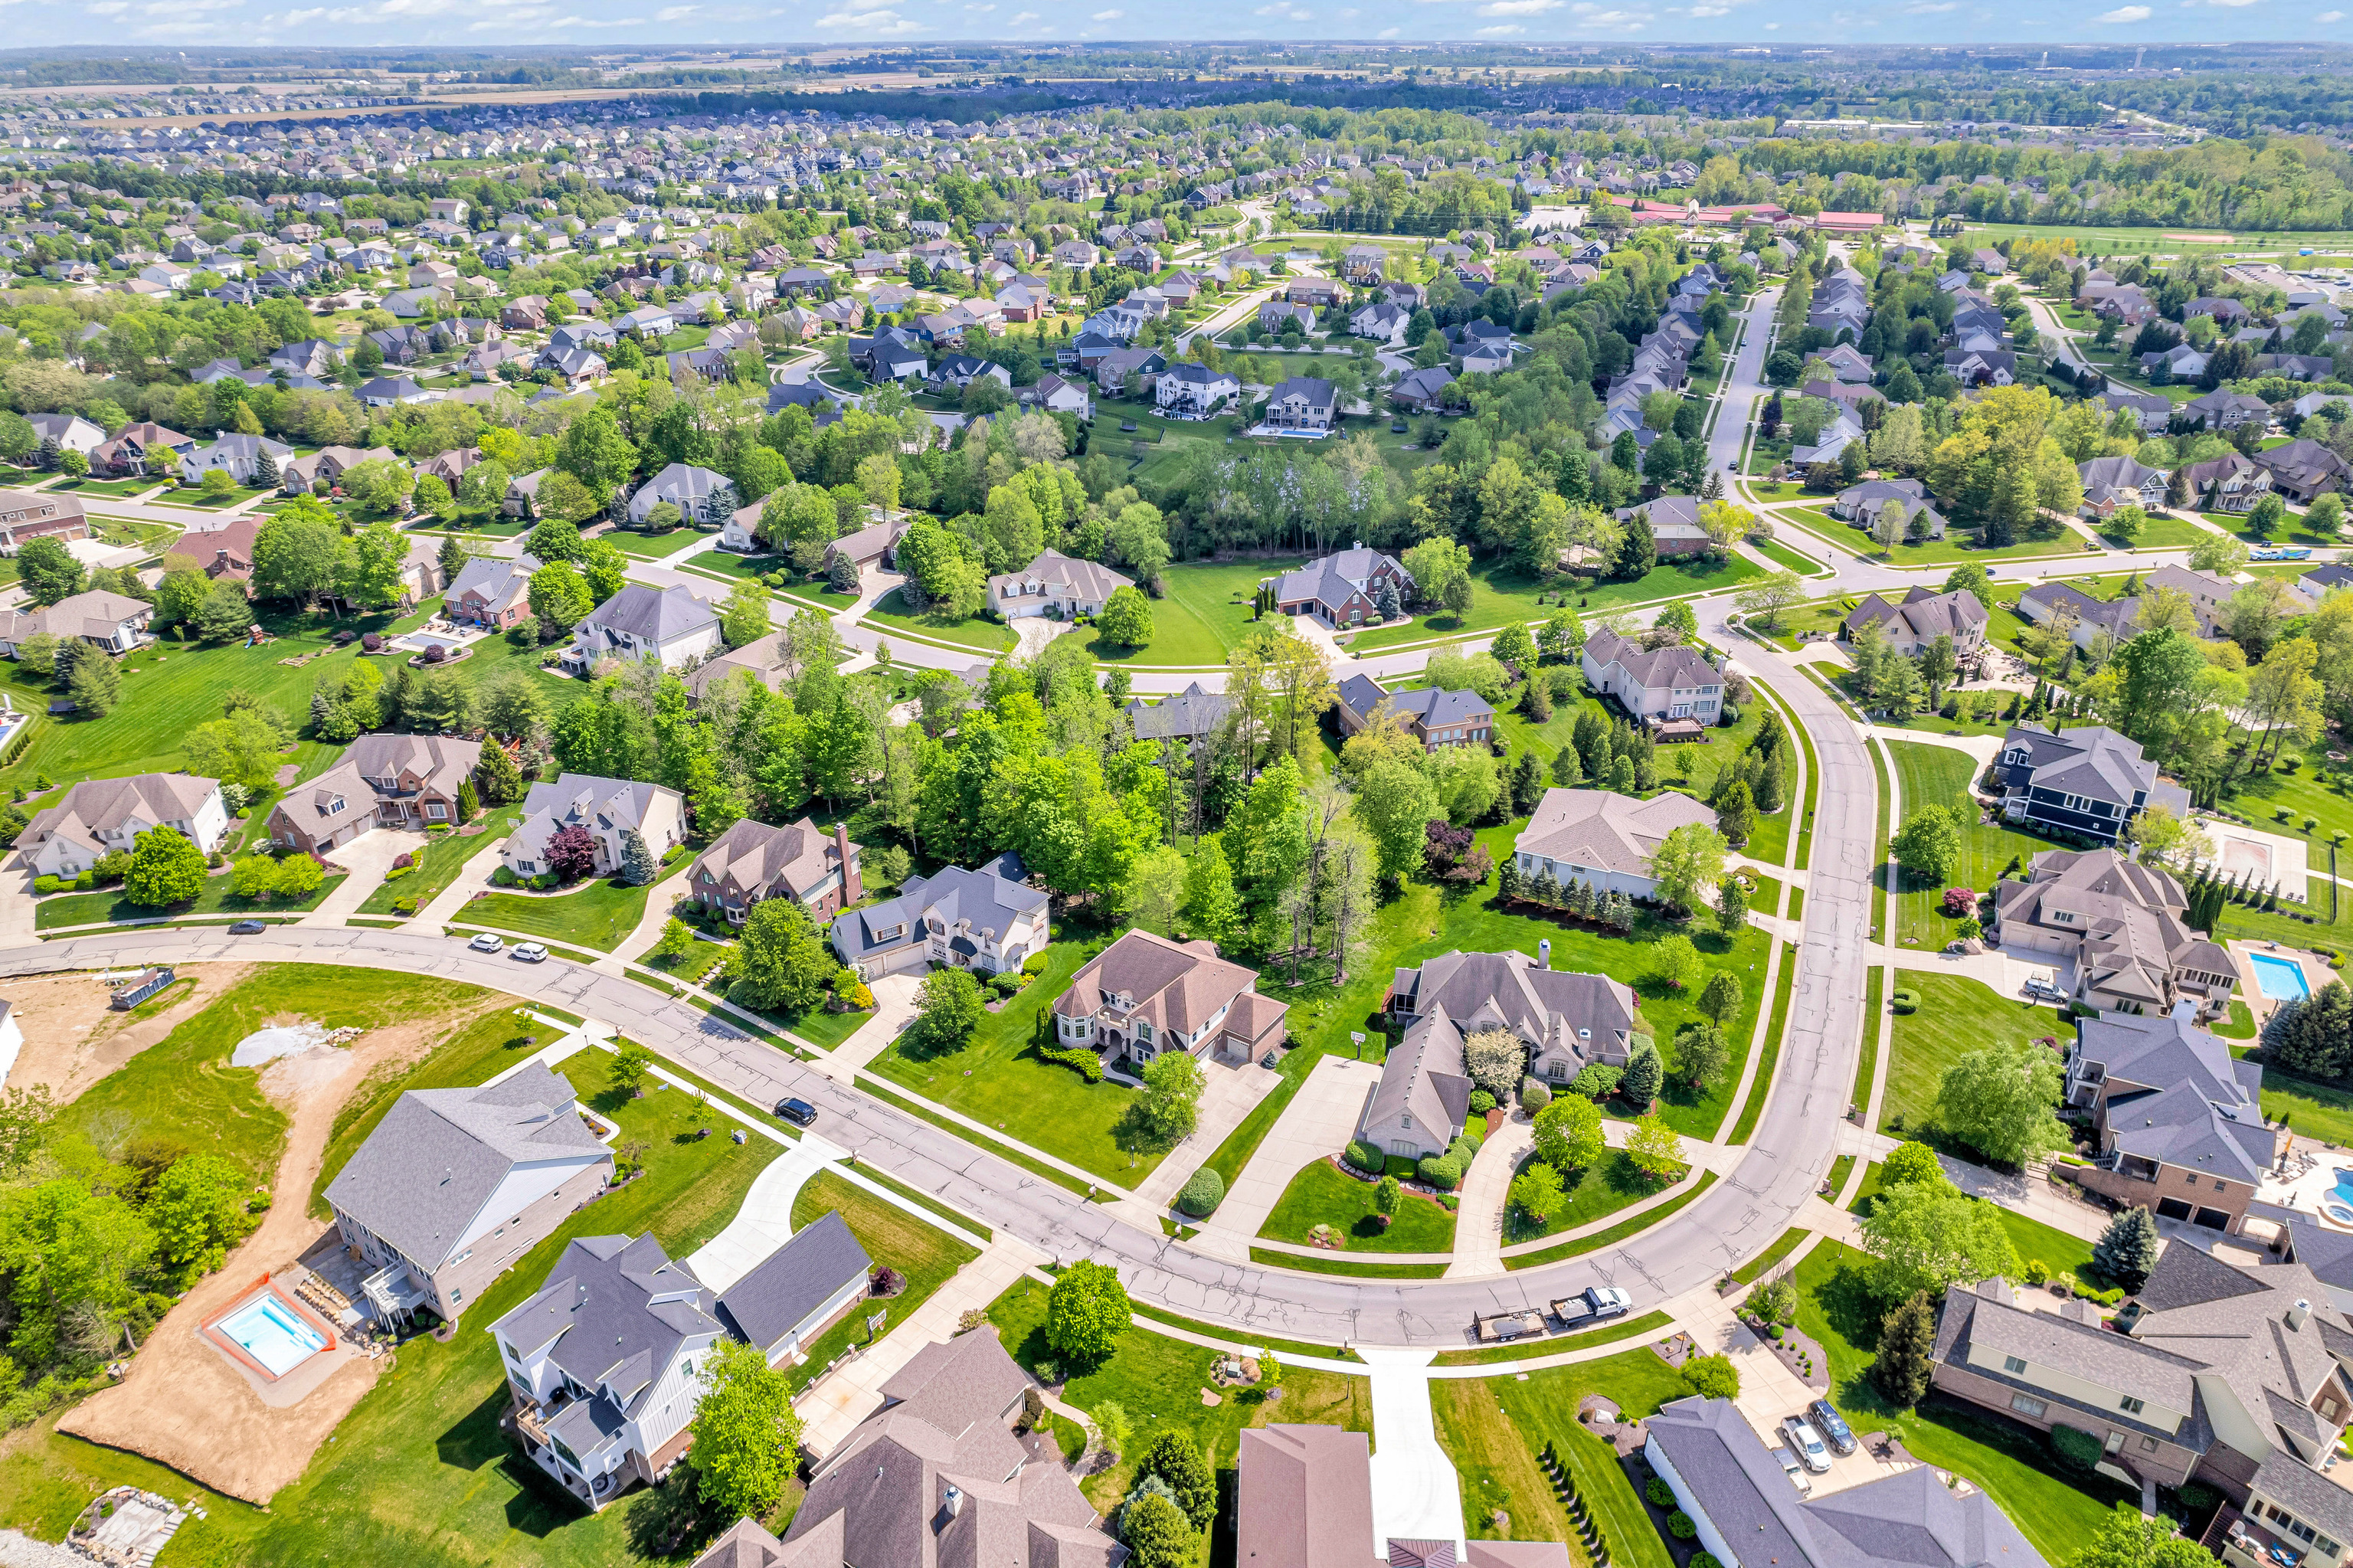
x: 1807, y: 1444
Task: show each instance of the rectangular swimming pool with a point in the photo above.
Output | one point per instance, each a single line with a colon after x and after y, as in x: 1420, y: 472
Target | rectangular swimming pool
x: 273, y: 1334
x: 2279, y: 979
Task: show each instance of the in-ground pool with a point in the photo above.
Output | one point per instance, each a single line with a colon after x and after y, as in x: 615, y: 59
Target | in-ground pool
x: 272, y: 1333
x: 2279, y: 979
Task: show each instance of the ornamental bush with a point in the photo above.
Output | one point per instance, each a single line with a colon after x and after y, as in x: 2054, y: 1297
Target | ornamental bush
x: 1534, y: 1095
x: 1907, y: 1000
x: 1202, y: 1193
x: 2076, y: 1448
x: 1441, y: 1171
x: 1680, y: 1525
x: 1086, y: 1062
x: 1367, y: 1157
x: 1959, y: 901
x: 1660, y: 1494
x: 1481, y: 1102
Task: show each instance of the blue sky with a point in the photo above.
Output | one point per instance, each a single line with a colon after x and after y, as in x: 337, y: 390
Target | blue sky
x: 1779, y: 24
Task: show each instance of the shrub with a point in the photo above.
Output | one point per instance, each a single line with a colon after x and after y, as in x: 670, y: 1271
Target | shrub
x: 48, y: 884
x: 1441, y: 1171
x: 2076, y: 1448
x: 1366, y: 1156
x: 1086, y: 1062
x: 1596, y: 1080
x: 1534, y: 1095
x: 503, y: 878
x: 2037, y: 1271
x: 1959, y: 901
x: 2198, y: 1498
x: 1202, y: 1193
x: 1704, y: 1559
x: 1481, y: 1102
x: 1660, y: 1494
x: 1035, y: 964
x: 1907, y: 1000
x: 1680, y: 1525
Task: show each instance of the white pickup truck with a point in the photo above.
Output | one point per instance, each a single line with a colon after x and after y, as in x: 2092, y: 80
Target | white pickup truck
x: 1591, y: 1305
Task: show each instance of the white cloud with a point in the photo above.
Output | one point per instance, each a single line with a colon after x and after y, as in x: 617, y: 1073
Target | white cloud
x: 863, y: 18
x: 1931, y: 7
x: 2330, y: 16
x: 1509, y: 30
x: 1288, y: 12
x: 1109, y: 15
x: 1021, y: 17
x: 1519, y: 7
x: 1388, y: 32
x: 675, y: 13
x: 1711, y: 11
x: 2124, y: 14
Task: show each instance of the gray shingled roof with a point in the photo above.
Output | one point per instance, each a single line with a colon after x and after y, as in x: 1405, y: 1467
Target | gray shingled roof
x: 1677, y: 667
x: 794, y: 1281
x: 617, y: 1310
x: 2093, y: 761
x: 992, y: 898
x: 1188, y: 715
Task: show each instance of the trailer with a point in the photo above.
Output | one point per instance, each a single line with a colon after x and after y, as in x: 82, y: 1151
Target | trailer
x: 148, y: 983
x: 1501, y: 1327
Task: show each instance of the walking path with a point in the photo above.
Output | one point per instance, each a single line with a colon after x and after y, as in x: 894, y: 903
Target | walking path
x: 665, y: 891
x: 473, y: 877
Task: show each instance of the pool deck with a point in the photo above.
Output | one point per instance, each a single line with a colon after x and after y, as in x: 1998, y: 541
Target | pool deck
x: 274, y: 1390
x: 2317, y: 973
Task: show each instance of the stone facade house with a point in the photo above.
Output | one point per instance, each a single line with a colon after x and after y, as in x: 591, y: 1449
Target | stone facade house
x: 609, y: 809
x: 1146, y: 994
x: 752, y: 860
x: 2121, y: 925
x: 104, y: 816
x: 1656, y: 687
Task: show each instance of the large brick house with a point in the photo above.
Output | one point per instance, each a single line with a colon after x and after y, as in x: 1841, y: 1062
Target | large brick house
x: 1146, y: 994
x: 2179, y: 1121
x: 383, y: 781
x: 1341, y: 589
x: 752, y: 860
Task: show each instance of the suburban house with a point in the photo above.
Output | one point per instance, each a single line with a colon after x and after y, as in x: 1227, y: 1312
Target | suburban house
x: 2122, y: 925
x: 100, y: 816
x: 2110, y: 482
x: 1435, y: 718
x: 668, y: 625
x: 1567, y: 1021
x: 1421, y: 391
x: 937, y: 1478
x: 1187, y: 391
x: 1738, y: 1494
x: 1674, y: 526
x: 1920, y: 617
x: 752, y: 860
x: 1054, y: 584
x: 609, y: 809
x: 701, y: 497
x: 2209, y: 596
x: 1303, y: 1499
x: 1302, y: 403
x: 2231, y: 482
x: 2086, y: 782
x: 988, y: 920
x: 2177, y: 1119
x: 455, y: 1184
x: 70, y: 431
x: 789, y: 1298
x: 1146, y: 994
x: 1862, y: 503
x: 113, y: 620
x: 873, y: 546
x: 238, y: 456
x: 1342, y: 589
x: 37, y: 514
x: 2221, y: 1373
x: 382, y: 781
x: 1658, y: 687
x: 1189, y: 716
x: 2223, y: 409
x: 491, y: 590
x: 2046, y: 602
x: 1602, y: 838
x: 328, y: 464
x: 2302, y: 470
x: 602, y: 1364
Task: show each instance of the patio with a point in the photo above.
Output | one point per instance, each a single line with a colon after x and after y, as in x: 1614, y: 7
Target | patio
x: 2313, y: 967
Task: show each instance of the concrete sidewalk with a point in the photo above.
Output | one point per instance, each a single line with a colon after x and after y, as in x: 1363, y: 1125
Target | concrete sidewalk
x: 1320, y: 1120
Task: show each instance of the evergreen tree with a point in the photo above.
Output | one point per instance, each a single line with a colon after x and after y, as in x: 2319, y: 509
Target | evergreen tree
x: 497, y: 778
x: 1546, y: 890
x: 1527, y: 784
x: 1645, y: 1074
x: 1567, y: 770
x: 638, y: 866
x: 470, y: 802
x: 452, y: 558
x: 1907, y: 1339
x: 1511, y: 883
x: 2127, y: 1249
x: 265, y: 469
x: 1387, y: 602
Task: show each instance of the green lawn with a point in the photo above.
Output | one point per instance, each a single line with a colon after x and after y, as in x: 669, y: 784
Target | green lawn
x: 64, y: 909
x: 2014, y: 1464
x: 1957, y: 1016
x: 1494, y: 1429
x: 1601, y: 1240
x: 1610, y: 1184
x: 1500, y: 594
x: 893, y: 1238
x: 1158, y: 1381
x: 2044, y: 539
x: 1805, y: 566
x: 998, y: 1079
x: 1206, y: 612
x: 2160, y: 533
x: 444, y: 858
x: 1320, y: 1194
x: 984, y: 637
x: 646, y: 545
x: 2310, y: 1109
x: 1941, y: 775
x: 596, y: 915
x: 1775, y: 1029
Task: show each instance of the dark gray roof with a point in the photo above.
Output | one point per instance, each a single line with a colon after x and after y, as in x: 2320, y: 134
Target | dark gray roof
x: 1331, y: 581
x: 1436, y: 708
x: 2093, y: 761
x: 617, y: 1310
x: 654, y: 614
x: 1189, y: 715
x: 794, y: 1281
x: 1679, y: 667
x: 425, y: 1172
x: 991, y: 898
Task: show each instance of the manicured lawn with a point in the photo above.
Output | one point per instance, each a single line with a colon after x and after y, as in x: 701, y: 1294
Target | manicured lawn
x: 1206, y: 612
x: 444, y: 858
x: 1500, y: 594
x: 64, y: 909
x: 1805, y: 566
x: 1158, y: 1381
x: 889, y: 614
x: 1957, y: 1016
x: 2064, y: 1250
x: 645, y: 545
x: 2314, y: 789
x: 1617, y: 1330
x: 1775, y: 1029
x: 1601, y: 1240
x: 2014, y: 1464
x: 1941, y: 775
x: 596, y: 915
x: 998, y: 1080
x: 893, y: 1238
x: 1494, y: 1429
x: 2310, y: 1109
x: 1320, y: 1194
x: 1758, y: 1267
x: 2045, y: 538
x: 2166, y: 533
x: 1610, y: 1184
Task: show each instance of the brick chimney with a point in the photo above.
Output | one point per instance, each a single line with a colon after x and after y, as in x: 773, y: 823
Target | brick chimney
x: 851, y: 891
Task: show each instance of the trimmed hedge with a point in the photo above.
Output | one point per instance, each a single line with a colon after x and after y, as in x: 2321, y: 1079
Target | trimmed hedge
x: 1907, y: 1000
x: 1202, y: 1193
x: 2075, y: 1447
x: 1085, y: 1063
x: 1367, y: 1157
x: 1534, y: 1095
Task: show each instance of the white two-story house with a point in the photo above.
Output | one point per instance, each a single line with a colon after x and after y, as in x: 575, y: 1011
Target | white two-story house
x: 101, y: 816
x: 113, y: 620
x: 608, y: 808
x: 668, y: 625
x: 987, y: 920
x: 1655, y: 685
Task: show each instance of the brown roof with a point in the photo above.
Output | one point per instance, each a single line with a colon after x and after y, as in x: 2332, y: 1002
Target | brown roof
x: 1175, y: 986
x: 1305, y: 1499
x: 758, y: 857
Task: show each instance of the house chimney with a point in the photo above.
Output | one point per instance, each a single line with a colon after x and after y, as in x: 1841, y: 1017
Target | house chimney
x: 2298, y: 1313
x: 1544, y: 953
x: 955, y: 1501
x: 851, y: 890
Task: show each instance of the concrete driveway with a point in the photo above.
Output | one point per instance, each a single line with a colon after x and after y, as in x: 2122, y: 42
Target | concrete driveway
x: 1033, y: 632
x: 368, y: 857
x: 1319, y: 1121
x: 894, y: 1008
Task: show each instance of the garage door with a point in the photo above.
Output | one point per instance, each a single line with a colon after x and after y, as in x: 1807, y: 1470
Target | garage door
x: 2214, y: 1219
x: 2173, y: 1208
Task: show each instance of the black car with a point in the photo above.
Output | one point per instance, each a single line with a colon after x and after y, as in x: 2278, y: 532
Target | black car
x: 800, y: 1113
x: 1831, y: 1425
x: 247, y: 929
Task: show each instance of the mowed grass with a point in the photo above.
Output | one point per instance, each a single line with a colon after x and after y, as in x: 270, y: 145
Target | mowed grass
x: 1928, y: 775
x: 998, y: 1080
x: 1320, y: 1194
x: 1958, y: 545
x: 596, y: 915
x: 1501, y: 594
x: 111, y: 905
x: 1957, y: 1016
x: 1206, y: 614
x: 1158, y: 1381
x: 444, y: 858
x: 984, y: 637
x: 893, y: 1238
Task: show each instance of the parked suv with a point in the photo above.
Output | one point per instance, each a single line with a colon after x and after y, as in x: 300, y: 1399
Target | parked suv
x: 1827, y: 1421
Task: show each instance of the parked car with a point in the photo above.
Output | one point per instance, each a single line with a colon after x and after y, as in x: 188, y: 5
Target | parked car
x: 1831, y: 1425
x: 1591, y: 1305
x: 2041, y: 989
x: 1807, y: 1444
x: 486, y: 943
x: 1795, y: 1468
x: 800, y: 1113
x: 247, y: 929
x: 530, y: 952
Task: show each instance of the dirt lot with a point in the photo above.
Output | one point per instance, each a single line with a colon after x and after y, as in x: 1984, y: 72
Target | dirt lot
x: 182, y: 1402
x: 72, y: 1040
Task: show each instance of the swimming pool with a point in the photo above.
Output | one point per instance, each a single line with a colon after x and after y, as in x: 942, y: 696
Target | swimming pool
x: 273, y: 1334
x: 2278, y: 977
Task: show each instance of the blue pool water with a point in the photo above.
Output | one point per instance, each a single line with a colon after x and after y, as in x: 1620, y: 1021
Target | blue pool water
x: 273, y: 1335
x: 2278, y: 977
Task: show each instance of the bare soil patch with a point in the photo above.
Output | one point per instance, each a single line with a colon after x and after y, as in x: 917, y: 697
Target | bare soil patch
x: 72, y: 1039
x: 2200, y: 239
x: 182, y: 1402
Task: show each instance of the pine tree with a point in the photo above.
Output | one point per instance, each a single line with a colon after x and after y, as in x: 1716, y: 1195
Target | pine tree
x: 265, y: 469
x: 1907, y: 1339
x: 637, y: 863
x: 1546, y: 891
x: 1567, y: 770
x: 2127, y: 1249
x: 1512, y: 882
x: 497, y: 776
x: 1645, y: 1075
x: 470, y: 802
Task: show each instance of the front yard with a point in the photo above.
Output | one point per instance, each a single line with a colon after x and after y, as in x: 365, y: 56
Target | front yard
x: 893, y: 1238
x: 1501, y: 594
x: 1957, y: 1016
x: 596, y: 915
x: 1206, y: 613
x: 1320, y: 1194
x: 985, y: 637
x: 1929, y: 775
x: 111, y: 907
